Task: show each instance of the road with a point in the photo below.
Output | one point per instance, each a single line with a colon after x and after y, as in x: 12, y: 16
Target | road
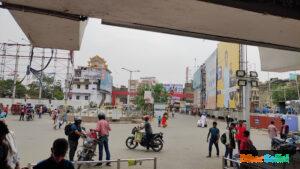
x: 185, y: 145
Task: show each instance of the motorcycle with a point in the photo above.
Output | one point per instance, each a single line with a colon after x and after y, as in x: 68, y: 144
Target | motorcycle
x: 284, y: 146
x: 29, y: 116
x: 89, y: 146
x: 138, y: 137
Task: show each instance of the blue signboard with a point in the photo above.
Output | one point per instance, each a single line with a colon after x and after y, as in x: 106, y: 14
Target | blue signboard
x: 106, y: 82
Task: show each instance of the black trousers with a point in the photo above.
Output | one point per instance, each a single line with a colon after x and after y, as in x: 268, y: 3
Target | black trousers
x: 73, y: 147
x: 228, y: 152
x: 211, y: 142
x: 148, y: 140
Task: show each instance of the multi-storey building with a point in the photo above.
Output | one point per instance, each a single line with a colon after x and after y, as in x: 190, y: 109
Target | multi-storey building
x: 92, y: 83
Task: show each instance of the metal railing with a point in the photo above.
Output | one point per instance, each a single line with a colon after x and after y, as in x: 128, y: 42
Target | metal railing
x: 118, y: 161
x: 237, y: 162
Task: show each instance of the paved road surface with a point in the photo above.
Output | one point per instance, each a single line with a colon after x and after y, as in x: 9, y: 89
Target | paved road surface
x: 185, y: 144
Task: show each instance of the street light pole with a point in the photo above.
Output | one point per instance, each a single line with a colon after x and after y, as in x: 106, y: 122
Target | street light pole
x: 129, y: 84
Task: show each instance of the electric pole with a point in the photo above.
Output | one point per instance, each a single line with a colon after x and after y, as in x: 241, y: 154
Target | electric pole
x: 41, y: 79
x: 3, y: 60
x: 15, y: 74
x: 67, y: 82
x: 129, y: 84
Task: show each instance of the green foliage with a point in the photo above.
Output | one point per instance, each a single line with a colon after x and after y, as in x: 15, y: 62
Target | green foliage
x: 6, y: 89
x: 159, y: 94
x: 291, y: 93
x: 50, y: 89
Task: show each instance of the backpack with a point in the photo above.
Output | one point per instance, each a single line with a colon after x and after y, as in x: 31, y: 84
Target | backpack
x: 253, y: 149
x: 68, y: 129
x: 223, y: 138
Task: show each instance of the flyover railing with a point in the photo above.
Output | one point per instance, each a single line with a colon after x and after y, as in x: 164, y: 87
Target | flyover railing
x: 118, y: 161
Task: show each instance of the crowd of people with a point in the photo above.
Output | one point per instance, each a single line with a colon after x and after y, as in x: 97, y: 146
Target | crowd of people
x: 237, y: 136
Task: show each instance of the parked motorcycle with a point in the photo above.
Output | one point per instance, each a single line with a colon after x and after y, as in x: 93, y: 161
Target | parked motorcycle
x: 138, y: 137
x: 284, y: 146
x: 89, y: 147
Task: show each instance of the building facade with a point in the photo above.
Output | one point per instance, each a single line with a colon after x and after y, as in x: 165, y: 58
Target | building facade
x: 92, y: 83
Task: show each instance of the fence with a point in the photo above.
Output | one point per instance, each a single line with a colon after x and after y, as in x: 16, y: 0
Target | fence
x: 118, y: 161
x: 235, y: 162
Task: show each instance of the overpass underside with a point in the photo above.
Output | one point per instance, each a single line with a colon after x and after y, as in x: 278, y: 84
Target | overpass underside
x: 266, y: 23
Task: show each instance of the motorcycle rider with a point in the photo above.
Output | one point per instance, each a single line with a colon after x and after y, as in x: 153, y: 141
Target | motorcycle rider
x: 148, y: 131
x: 73, y: 137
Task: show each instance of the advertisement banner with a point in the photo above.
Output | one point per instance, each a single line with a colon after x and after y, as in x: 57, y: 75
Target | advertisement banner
x: 211, y: 64
x: 228, y: 64
x: 176, y: 88
x: 106, y: 82
x: 197, y: 79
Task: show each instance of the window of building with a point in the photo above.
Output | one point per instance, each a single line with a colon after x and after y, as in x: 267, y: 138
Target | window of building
x: 70, y: 98
x: 78, y: 86
x: 86, y: 97
x: 87, y: 86
x: 77, y: 97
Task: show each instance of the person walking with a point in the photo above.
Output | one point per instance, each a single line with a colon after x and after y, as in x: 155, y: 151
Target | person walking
x: 159, y: 121
x: 272, y: 130
x: 74, y: 136
x: 22, y: 113
x: 40, y: 112
x: 103, y: 130
x: 284, y: 130
x: 240, y: 130
x: 57, y: 159
x: 214, y: 135
x: 64, y: 118
x: 230, y: 143
x: 6, y: 109
x: 164, y: 120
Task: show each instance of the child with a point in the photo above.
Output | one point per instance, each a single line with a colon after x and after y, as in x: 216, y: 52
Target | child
x: 159, y: 120
x: 164, y: 121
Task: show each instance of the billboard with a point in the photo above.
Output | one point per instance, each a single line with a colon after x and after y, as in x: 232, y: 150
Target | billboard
x: 211, y: 71
x: 197, y: 79
x: 106, y: 81
x: 228, y: 64
x: 176, y: 88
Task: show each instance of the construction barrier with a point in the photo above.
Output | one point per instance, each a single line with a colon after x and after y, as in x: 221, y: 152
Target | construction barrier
x: 263, y: 121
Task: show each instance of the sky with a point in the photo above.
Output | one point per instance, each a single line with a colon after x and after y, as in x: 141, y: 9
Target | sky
x: 160, y: 55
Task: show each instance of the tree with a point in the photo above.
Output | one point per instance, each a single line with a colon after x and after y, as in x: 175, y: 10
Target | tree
x: 6, y: 89
x: 283, y: 93
x: 160, y: 94
x: 50, y: 89
x: 158, y: 91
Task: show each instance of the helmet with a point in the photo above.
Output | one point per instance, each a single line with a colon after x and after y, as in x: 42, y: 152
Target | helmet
x: 146, y: 118
x: 101, y: 116
x: 77, y: 119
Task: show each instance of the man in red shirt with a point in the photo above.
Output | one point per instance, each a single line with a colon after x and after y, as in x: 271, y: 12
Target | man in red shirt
x: 247, y: 145
x: 103, y: 129
x: 240, y: 129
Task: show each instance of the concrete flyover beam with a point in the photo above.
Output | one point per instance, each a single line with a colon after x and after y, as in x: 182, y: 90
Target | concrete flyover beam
x: 261, y: 23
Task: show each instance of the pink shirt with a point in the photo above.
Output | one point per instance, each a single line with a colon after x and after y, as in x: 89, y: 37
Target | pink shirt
x: 103, y: 128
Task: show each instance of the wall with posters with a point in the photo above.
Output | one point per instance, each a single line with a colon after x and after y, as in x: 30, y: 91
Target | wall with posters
x: 228, y: 62
x: 211, y: 64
